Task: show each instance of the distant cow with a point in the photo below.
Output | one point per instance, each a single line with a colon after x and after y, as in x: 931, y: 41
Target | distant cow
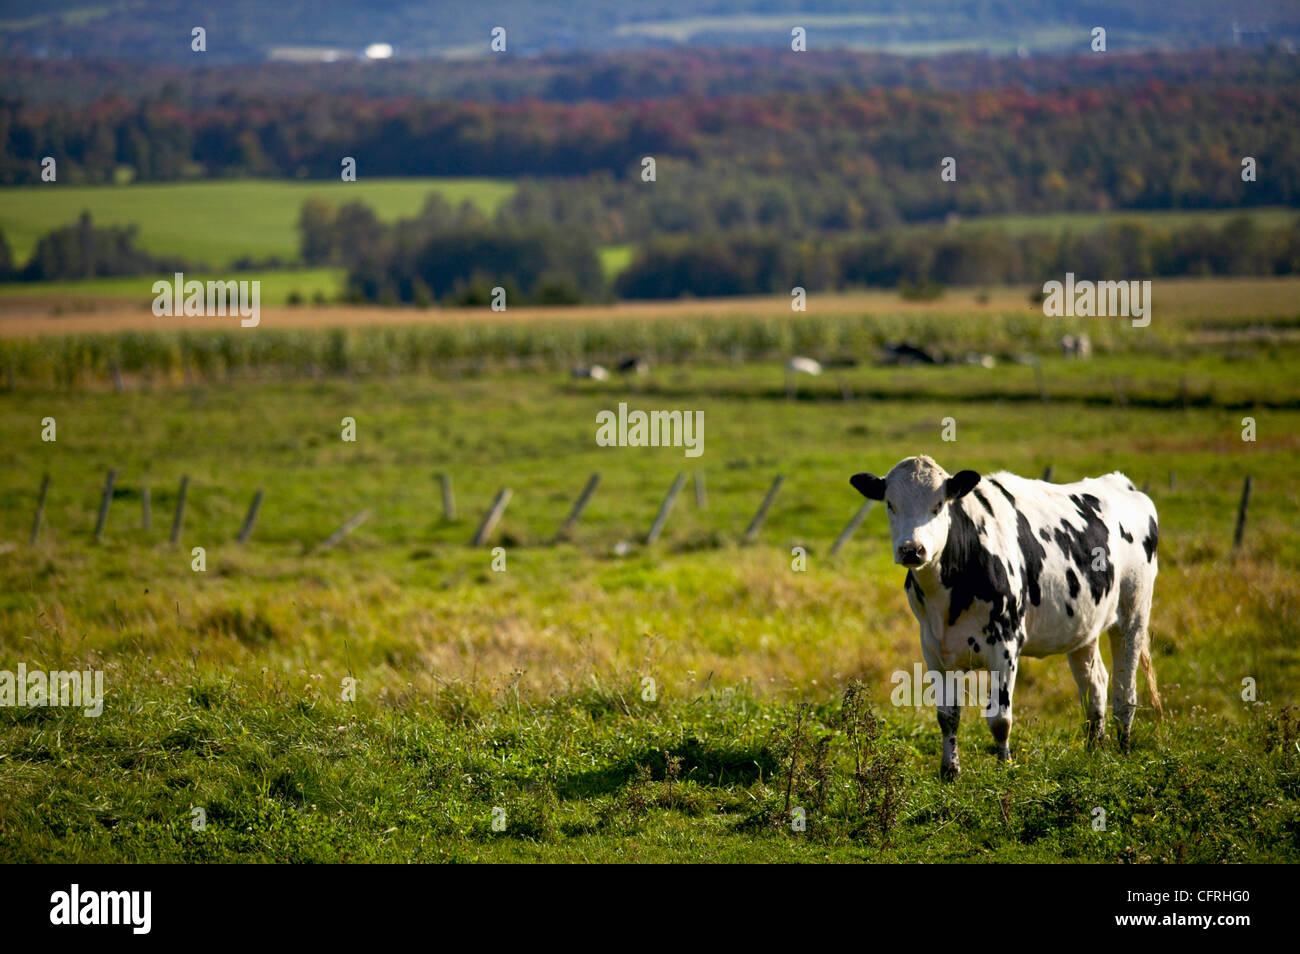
x: 1001, y: 567
x: 593, y: 372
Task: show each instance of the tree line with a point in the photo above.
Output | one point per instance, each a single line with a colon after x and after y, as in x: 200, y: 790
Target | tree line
x: 755, y: 263
x: 84, y: 250
x: 456, y: 256
x: 840, y: 159
x: 630, y: 75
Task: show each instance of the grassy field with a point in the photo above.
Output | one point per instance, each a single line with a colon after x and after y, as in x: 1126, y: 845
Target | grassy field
x: 216, y: 222
x: 521, y: 693
x: 278, y: 287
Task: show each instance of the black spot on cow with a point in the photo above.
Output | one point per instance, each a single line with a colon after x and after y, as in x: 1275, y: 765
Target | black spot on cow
x: 970, y: 572
x: 984, y: 501
x: 1069, y: 610
x: 1079, y: 545
x: 1042, y: 532
x: 1007, y: 655
x: 1124, y: 534
x: 1072, y: 581
x: 1131, y: 487
x: 1033, y: 554
x: 1151, y: 539
x: 909, y: 583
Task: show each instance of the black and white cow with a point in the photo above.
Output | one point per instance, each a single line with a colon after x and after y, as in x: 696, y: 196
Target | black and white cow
x: 1000, y: 567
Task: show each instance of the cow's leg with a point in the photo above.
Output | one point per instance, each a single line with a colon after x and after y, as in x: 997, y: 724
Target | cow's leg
x: 1127, y: 640
x: 1003, y: 662
x: 1090, y: 675
x: 949, y: 713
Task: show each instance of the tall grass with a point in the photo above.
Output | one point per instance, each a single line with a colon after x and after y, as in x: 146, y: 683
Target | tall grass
x: 84, y: 358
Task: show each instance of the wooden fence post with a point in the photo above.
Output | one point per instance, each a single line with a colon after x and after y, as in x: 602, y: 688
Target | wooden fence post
x: 40, y: 507
x: 578, y: 507
x: 180, y: 510
x: 344, y: 530
x: 664, y: 509
x: 1241, y: 514
x: 757, y: 523
x: 491, y: 517
x: 247, y: 528
x: 448, y: 498
x: 1047, y: 473
x: 852, y: 526
x: 104, y: 501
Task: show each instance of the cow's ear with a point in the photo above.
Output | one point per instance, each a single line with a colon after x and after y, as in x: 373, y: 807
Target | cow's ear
x: 960, y: 484
x: 869, y: 485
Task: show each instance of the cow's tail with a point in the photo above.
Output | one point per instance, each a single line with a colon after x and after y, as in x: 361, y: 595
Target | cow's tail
x: 1150, y: 672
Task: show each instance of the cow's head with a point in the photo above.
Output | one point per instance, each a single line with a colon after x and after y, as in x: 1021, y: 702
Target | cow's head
x: 916, y: 494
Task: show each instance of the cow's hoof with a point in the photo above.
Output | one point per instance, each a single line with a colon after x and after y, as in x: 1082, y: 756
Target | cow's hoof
x: 950, y: 772
x: 1004, y: 754
x: 1125, y: 743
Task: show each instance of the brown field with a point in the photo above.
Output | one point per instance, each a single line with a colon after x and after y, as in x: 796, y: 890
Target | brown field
x: 26, y: 316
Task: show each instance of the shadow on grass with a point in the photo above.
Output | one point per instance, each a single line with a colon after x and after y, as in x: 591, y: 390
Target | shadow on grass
x: 699, y: 762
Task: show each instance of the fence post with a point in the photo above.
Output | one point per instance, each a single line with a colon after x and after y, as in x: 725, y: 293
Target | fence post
x: 448, y: 499
x: 1241, y: 514
x: 1047, y: 473
x: 578, y: 507
x: 180, y: 510
x: 491, y: 517
x: 40, y: 507
x: 247, y: 528
x: 104, y: 501
x: 664, y: 509
x: 852, y: 526
x: 344, y: 530
x: 757, y: 523
x: 701, y: 494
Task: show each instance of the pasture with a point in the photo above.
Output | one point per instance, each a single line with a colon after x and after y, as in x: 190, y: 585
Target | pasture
x: 214, y: 222
x: 519, y: 695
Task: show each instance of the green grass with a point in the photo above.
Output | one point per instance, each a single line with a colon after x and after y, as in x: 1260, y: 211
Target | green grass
x: 523, y: 690
x: 614, y: 259
x: 217, y: 222
x: 277, y: 286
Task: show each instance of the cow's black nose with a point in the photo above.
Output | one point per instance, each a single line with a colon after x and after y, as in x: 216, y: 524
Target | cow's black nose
x: 911, y: 554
